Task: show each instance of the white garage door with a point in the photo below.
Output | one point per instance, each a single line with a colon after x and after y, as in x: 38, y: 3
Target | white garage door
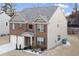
x: 20, y: 41
x: 13, y: 39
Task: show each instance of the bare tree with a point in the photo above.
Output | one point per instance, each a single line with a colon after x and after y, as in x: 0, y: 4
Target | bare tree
x: 9, y: 8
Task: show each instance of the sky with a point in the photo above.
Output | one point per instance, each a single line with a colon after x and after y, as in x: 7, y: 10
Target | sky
x: 66, y: 7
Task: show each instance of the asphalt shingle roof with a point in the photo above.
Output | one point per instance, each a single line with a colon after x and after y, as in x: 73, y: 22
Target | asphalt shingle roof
x: 30, y: 14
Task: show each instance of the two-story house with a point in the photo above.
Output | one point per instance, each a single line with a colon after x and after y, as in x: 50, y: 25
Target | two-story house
x: 42, y: 27
x: 4, y: 25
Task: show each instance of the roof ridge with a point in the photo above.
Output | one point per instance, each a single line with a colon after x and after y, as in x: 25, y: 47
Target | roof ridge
x: 32, y: 13
x: 40, y: 7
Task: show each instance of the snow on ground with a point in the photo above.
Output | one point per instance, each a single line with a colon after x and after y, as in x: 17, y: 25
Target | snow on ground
x: 5, y: 45
x: 6, y: 48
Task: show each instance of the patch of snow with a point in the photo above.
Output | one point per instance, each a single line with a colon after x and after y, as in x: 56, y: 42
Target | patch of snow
x: 6, y: 48
x: 30, y: 51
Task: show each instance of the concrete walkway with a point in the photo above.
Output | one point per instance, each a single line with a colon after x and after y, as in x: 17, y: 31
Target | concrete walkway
x: 6, y: 48
x: 18, y: 53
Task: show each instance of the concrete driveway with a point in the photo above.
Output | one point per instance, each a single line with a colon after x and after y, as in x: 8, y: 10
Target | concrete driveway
x: 17, y: 53
x: 6, y: 48
x: 5, y: 45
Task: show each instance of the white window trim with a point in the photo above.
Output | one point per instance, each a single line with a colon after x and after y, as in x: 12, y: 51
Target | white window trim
x: 40, y: 40
x: 41, y: 27
x: 13, y: 26
x: 20, y: 25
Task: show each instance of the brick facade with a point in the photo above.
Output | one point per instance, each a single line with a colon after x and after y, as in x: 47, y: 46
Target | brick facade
x: 18, y: 31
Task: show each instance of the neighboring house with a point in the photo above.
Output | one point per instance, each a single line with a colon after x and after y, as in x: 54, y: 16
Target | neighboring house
x: 42, y: 27
x: 4, y: 25
x: 73, y: 23
x: 73, y: 19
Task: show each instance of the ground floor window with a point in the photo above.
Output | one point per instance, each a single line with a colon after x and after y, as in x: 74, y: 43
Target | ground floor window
x: 59, y: 37
x: 40, y: 41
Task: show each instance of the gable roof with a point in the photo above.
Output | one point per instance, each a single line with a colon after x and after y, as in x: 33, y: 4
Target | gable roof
x: 30, y: 14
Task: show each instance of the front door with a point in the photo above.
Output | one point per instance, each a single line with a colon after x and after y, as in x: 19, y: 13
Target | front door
x: 27, y: 41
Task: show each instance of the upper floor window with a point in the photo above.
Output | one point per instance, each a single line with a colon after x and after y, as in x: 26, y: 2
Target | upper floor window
x: 21, y: 26
x: 6, y: 23
x: 40, y: 27
x: 30, y: 26
x: 58, y: 25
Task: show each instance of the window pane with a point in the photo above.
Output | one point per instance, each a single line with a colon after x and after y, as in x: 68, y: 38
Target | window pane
x: 40, y: 28
x: 40, y: 40
x: 21, y: 26
x: 6, y: 23
x: 11, y: 25
x: 42, y: 43
x: 30, y: 26
x: 59, y: 37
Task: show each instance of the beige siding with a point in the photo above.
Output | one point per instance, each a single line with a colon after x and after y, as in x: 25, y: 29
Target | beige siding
x: 54, y: 31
